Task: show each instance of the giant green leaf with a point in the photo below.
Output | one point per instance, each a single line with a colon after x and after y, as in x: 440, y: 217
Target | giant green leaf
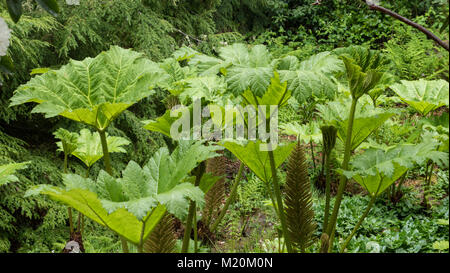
x: 207, y: 65
x: 363, y: 127
x: 164, y: 123
x: 360, y: 82
x: 306, y: 84
x: 174, y: 75
x: 276, y: 94
x: 93, y: 91
x: 324, y: 62
x: 132, y: 205
x: 258, y: 161
x: 244, y: 68
x: 424, y: 96
x: 286, y: 63
x: 364, y: 68
x: 211, y: 89
x: 257, y: 79
x: 367, y: 119
x: 366, y: 59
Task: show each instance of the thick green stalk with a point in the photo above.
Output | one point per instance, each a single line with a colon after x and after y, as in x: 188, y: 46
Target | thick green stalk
x: 327, y: 192
x: 192, y: 210
x: 343, y: 181
x: 82, y: 216
x: 230, y: 199
x: 323, y: 164
x: 65, y: 163
x: 399, y: 187
x: 361, y: 220
x: 428, y: 183
x: 106, y: 158
x: 108, y: 169
x: 188, y: 228
x: 195, y: 234
x: 279, y: 200
x: 69, y: 209
x: 312, y: 154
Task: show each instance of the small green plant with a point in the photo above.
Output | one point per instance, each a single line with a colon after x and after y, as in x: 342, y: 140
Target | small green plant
x: 89, y: 148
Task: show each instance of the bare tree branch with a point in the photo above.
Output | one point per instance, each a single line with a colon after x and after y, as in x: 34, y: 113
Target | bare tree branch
x: 429, y: 34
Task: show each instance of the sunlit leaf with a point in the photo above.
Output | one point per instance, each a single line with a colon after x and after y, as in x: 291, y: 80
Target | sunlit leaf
x: 93, y: 91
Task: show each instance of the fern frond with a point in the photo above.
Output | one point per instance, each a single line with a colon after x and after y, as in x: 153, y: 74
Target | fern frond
x: 299, y: 211
x: 162, y: 239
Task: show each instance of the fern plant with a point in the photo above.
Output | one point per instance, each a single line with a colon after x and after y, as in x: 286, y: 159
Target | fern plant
x: 7, y: 172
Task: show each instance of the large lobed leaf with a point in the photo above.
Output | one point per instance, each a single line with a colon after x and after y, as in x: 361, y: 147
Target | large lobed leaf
x: 133, y: 204
x: 87, y: 146
x: 257, y: 160
x: 244, y: 68
x: 377, y: 169
x: 93, y: 91
x: 211, y: 89
x: 275, y: 94
x: 323, y: 62
x: 367, y: 119
x: 306, y: 84
x: 364, y: 68
x: 424, y: 96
